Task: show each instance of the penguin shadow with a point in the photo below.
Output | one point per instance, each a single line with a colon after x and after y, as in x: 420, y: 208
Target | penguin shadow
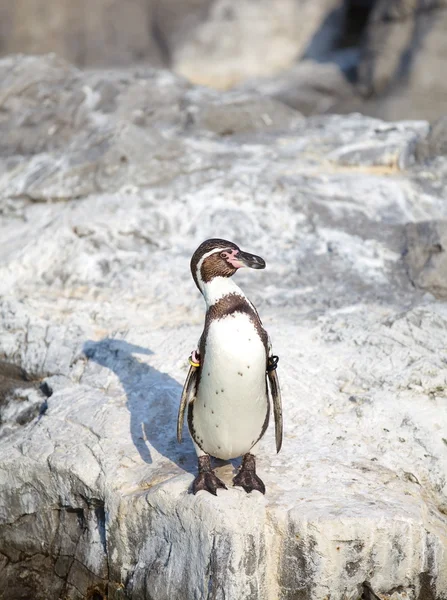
x: 152, y: 400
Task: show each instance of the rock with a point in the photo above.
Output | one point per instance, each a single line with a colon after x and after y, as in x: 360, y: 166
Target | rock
x: 21, y: 398
x: 217, y: 43
x: 382, y: 145
x: 102, y: 124
x: 235, y: 41
x: 435, y: 143
x: 241, y: 113
x: 404, y: 53
x: 425, y: 255
x: 88, y: 32
x: 310, y: 87
x: 98, y: 305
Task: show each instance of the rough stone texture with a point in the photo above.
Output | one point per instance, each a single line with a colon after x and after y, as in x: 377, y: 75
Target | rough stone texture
x: 88, y: 32
x: 21, y: 398
x: 213, y: 42
x: 426, y: 257
x: 309, y: 86
x: 435, y: 144
x: 297, y: 51
x: 97, y: 303
x: 250, y: 38
x: 404, y: 55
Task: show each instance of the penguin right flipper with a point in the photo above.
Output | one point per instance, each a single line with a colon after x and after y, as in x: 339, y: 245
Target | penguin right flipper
x: 188, y: 394
x: 277, y: 407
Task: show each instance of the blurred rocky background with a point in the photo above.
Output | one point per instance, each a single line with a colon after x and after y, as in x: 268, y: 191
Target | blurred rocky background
x: 383, y: 58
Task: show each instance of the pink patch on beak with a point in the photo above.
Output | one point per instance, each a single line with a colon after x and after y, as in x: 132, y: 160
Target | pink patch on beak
x: 232, y: 259
x: 236, y: 264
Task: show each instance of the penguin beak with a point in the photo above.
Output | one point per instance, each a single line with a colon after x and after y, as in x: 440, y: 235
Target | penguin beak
x: 250, y: 260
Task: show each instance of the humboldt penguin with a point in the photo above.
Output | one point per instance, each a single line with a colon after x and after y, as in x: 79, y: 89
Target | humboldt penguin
x: 226, y: 389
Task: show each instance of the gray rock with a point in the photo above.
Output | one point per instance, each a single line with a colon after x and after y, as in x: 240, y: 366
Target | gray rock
x: 97, y: 303
x: 404, y: 54
x: 22, y: 398
x: 102, y: 123
x: 241, y: 113
x: 235, y: 41
x: 425, y: 255
x: 435, y: 143
x: 217, y: 42
x: 88, y: 32
x: 309, y: 86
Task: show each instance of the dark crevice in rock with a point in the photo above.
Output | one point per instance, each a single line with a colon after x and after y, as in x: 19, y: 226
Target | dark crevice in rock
x: 427, y: 590
x: 97, y: 593
x: 23, y: 397
x: 357, y: 15
x: 12, y: 371
x: 368, y: 593
x: 55, y: 561
x: 79, y: 512
x: 101, y: 519
x: 46, y: 389
x: 347, y: 25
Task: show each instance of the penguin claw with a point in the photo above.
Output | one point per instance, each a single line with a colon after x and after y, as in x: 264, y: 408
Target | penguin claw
x: 247, y: 478
x: 249, y: 481
x: 208, y: 482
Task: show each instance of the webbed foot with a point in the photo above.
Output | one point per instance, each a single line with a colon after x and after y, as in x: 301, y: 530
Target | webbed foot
x: 247, y: 478
x: 206, y: 479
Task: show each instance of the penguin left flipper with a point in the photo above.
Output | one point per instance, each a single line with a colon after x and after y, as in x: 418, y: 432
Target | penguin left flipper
x: 188, y: 394
x: 277, y: 407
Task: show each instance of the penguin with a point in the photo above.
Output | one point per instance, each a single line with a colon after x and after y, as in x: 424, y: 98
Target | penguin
x: 226, y: 392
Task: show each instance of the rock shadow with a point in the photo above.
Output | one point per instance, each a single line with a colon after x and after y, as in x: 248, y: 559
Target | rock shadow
x: 340, y: 37
x: 152, y: 399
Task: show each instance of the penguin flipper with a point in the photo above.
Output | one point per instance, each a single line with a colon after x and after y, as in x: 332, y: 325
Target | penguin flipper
x: 188, y: 393
x: 277, y: 407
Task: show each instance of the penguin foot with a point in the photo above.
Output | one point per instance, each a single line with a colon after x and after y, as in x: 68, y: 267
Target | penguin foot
x: 247, y: 478
x: 206, y: 479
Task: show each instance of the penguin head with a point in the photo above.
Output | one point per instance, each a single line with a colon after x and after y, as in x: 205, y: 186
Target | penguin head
x: 220, y: 258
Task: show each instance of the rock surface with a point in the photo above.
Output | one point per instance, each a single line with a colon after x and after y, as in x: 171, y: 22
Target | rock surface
x: 237, y: 40
x: 310, y: 87
x: 298, y: 51
x: 108, y: 182
x: 87, y: 32
x: 404, y: 54
x: 426, y: 256
x: 213, y: 42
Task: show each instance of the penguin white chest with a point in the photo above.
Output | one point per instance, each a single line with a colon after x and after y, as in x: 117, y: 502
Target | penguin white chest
x: 231, y: 406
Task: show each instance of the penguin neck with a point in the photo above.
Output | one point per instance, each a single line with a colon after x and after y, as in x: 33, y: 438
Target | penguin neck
x: 219, y: 287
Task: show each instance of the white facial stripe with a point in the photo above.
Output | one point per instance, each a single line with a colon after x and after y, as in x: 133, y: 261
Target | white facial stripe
x: 200, y: 263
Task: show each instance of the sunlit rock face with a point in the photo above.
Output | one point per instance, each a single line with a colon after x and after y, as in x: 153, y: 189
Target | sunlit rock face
x: 108, y: 183
x: 212, y: 42
x: 223, y: 42
x: 384, y: 58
